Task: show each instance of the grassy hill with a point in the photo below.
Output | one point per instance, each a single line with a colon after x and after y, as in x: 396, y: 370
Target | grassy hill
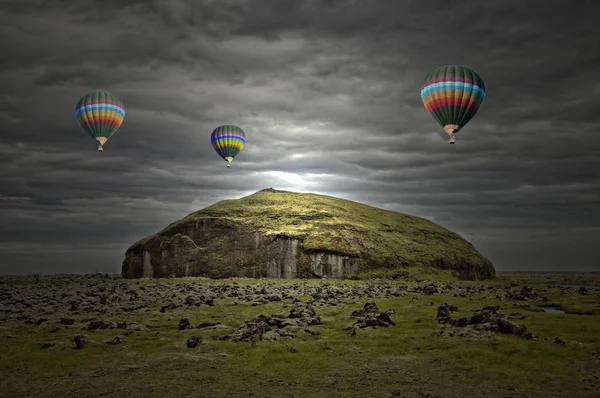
x: 323, y: 224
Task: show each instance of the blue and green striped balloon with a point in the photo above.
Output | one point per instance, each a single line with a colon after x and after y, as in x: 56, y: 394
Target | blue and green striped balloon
x: 228, y: 140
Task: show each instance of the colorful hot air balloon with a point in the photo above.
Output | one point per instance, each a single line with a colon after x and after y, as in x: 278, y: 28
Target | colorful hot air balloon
x: 228, y: 141
x: 453, y: 95
x: 100, y: 114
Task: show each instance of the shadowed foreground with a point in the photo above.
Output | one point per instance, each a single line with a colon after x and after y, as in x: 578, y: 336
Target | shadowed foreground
x: 379, y: 338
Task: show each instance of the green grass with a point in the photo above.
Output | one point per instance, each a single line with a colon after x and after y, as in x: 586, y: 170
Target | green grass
x: 411, y: 358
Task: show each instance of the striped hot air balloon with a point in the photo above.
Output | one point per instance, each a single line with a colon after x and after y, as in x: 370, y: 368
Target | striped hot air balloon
x: 228, y: 140
x: 452, y: 95
x: 100, y: 114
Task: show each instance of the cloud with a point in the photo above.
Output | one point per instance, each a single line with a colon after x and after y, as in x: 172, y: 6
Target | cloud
x: 328, y: 94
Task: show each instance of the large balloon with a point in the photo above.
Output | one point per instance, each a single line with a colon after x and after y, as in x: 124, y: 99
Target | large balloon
x: 100, y: 114
x: 452, y: 95
x: 228, y: 141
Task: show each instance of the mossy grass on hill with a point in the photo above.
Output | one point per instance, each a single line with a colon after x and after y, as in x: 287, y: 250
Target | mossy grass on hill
x: 325, y: 224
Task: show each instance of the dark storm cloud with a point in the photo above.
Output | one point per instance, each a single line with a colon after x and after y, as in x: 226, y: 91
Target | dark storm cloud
x: 328, y: 94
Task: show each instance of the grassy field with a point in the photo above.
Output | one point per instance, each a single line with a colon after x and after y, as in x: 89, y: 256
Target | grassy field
x: 411, y: 359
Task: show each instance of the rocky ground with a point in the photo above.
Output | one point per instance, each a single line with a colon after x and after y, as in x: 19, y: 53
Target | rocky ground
x: 430, y: 322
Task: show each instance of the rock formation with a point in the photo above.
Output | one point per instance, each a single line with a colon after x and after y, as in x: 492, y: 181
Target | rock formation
x: 280, y: 234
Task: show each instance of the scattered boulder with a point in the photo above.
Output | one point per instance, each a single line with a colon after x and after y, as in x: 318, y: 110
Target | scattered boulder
x: 371, y: 316
x: 444, y: 313
x: 100, y: 325
x: 193, y: 341
x: 192, y: 301
x: 184, y: 324
x: 116, y: 340
x: 79, y: 342
x: 524, y: 294
x: 305, y: 316
x: 369, y: 308
x: 485, y: 320
x: 273, y: 328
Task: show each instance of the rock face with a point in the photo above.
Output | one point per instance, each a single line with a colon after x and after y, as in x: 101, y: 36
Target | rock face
x: 279, y: 234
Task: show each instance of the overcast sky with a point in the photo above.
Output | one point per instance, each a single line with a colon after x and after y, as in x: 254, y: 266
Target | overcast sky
x: 328, y: 93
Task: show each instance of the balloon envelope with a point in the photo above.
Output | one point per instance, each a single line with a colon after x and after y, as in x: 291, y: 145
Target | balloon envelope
x: 228, y: 140
x: 452, y: 95
x: 100, y: 114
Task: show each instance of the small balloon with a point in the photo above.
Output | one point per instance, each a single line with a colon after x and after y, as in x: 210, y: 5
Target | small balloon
x: 228, y: 141
x: 452, y: 95
x: 100, y: 114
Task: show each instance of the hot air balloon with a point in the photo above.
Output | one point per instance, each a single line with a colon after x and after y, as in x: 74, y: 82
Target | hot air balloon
x: 100, y: 114
x: 228, y: 141
x: 452, y: 95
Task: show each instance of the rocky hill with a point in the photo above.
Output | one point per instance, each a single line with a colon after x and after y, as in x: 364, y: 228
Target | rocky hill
x: 280, y: 234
